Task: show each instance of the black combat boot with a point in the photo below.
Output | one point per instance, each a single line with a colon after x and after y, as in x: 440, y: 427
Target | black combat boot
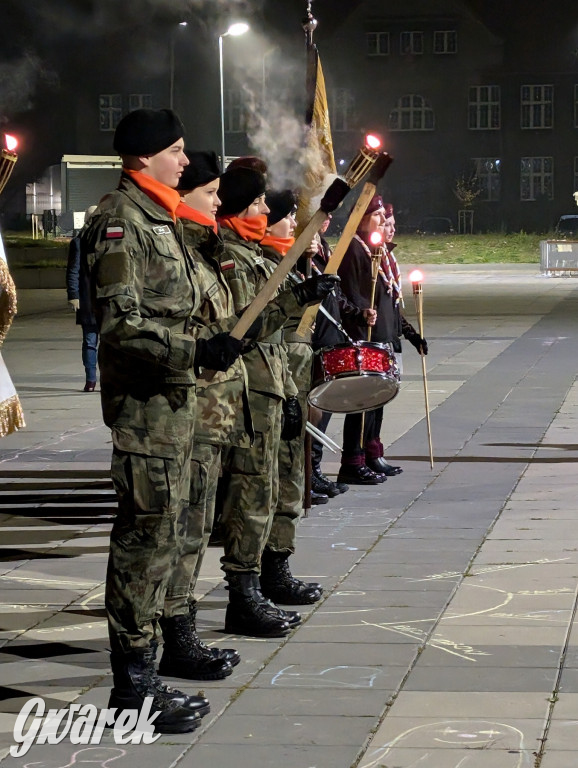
x: 135, y: 678
x: 248, y: 613
x: 227, y: 654
x: 279, y: 584
x: 184, y: 655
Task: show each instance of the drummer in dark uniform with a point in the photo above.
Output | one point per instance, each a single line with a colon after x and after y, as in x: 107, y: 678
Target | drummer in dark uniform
x: 362, y: 461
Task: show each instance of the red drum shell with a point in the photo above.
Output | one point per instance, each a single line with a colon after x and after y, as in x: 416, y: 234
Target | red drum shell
x: 352, y: 378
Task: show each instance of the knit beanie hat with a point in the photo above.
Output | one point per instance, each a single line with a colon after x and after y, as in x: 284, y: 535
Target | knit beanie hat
x: 249, y: 161
x: 239, y: 187
x: 280, y: 204
x: 147, y: 131
x: 203, y: 168
x: 388, y: 210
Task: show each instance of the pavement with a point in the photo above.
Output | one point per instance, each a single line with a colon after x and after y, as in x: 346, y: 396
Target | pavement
x: 447, y: 634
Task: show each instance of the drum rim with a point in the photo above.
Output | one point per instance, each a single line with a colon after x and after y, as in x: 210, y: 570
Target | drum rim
x: 386, y: 345
x: 393, y: 379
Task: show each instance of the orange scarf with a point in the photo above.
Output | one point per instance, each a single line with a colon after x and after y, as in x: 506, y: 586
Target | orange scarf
x: 185, y: 211
x: 279, y: 244
x: 160, y: 194
x: 252, y: 228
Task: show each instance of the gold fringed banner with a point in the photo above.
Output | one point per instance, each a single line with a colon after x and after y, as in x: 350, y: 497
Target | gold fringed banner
x: 11, y: 416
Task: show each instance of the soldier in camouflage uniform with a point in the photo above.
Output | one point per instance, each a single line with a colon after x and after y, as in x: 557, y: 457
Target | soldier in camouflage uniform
x: 251, y: 484
x: 277, y: 581
x: 145, y: 292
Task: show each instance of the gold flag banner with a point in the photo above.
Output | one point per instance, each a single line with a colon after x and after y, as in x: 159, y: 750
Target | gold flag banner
x: 319, y: 161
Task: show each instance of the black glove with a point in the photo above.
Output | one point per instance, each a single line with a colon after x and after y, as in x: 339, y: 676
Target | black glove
x: 414, y: 338
x: 217, y: 353
x: 315, y: 288
x: 292, y: 419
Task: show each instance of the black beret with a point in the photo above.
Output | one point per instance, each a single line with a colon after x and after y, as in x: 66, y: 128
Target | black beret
x: 280, y: 204
x: 203, y: 168
x: 239, y: 188
x: 147, y: 131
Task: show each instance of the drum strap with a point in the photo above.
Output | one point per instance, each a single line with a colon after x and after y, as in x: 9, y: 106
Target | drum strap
x: 336, y: 323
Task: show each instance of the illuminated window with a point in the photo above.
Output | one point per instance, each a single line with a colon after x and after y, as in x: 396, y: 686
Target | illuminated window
x: 537, y: 106
x: 487, y: 170
x: 445, y: 41
x: 109, y: 110
x: 377, y: 43
x: 484, y: 111
x: 412, y: 113
x: 536, y: 178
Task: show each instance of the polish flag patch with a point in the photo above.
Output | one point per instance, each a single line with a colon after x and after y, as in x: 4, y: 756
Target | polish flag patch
x: 114, y: 233
x: 228, y: 264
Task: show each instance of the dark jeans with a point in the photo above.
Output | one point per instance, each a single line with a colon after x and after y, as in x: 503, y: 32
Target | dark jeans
x: 356, y: 449
x: 89, y: 354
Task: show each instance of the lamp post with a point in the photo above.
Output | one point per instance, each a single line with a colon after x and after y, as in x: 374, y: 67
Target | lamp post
x: 234, y: 30
x: 172, y: 66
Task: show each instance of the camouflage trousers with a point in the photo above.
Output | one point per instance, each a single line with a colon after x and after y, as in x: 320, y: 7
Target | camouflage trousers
x: 196, y: 529
x: 289, y: 509
x: 251, y: 487
x: 153, y: 500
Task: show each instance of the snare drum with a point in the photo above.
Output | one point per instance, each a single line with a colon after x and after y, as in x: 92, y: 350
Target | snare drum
x: 352, y: 378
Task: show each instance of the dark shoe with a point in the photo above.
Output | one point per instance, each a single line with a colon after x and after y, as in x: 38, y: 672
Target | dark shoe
x: 184, y: 655
x: 318, y: 498
x: 248, y: 613
x: 279, y: 585
x: 359, y: 475
x: 89, y: 386
x: 322, y: 484
x: 227, y: 654
x: 380, y: 465
x: 134, y: 679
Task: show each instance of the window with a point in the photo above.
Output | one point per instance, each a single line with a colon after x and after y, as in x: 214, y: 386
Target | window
x: 139, y: 101
x: 109, y: 110
x: 411, y: 43
x: 536, y: 178
x: 341, y: 109
x: 235, y: 114
x: 412, y: 113
x: 377, y: 43
x: 484, y: 108
x: 487, y: 170
x: 537, y: 103
x: 445, y: 41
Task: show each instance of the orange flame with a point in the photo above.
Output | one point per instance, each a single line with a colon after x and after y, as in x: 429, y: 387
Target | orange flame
x: 416, y: 276
x: 375, y: 238
x: 372, y: 142
x: 11, y: 142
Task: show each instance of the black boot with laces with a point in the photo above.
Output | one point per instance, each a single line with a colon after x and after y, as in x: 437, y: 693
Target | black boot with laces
x: 279, y: 584
x: 185, y: 656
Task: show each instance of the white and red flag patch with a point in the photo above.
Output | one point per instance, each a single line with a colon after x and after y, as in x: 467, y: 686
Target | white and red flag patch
x: 228, y: 264
x: 114, y: 233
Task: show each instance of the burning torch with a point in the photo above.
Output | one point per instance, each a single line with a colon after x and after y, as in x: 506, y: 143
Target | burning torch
x: 8, y: 158
x: 416, y: 278
x: 380, y: 163
x: 366, y: 159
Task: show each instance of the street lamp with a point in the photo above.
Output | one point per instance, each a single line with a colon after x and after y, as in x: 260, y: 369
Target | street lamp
x: 239, y: 28
x: 172, y: 66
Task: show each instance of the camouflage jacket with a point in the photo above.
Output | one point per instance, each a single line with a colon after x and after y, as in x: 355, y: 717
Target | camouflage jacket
x: 299, y: 351
x: 246, y: 270
x: 144, y: 293
x: 221, y: 396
